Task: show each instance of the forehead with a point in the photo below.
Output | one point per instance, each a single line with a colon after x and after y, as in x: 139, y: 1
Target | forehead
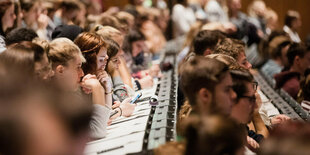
x: 226, y: 80
x: 102, y: 51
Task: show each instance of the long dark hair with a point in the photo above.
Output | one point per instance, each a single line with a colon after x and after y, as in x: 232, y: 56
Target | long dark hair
x: 4, y: 5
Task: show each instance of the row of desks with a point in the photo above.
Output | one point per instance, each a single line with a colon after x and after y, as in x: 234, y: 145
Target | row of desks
x: 149, y: 126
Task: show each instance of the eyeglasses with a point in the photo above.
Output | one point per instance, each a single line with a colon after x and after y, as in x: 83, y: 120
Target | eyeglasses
x: 255, y: 84
x: 252, y: 99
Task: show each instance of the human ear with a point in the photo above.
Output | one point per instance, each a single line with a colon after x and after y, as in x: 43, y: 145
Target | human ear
x: 59, y: 69
x: 205, y: 97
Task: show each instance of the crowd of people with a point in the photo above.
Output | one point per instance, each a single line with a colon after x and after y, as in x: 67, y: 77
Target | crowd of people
x: 67, y: 65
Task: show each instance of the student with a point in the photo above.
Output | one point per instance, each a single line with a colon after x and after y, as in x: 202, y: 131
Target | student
x: 299, y: 60
x: 292, y: 23
x: 7, y: 18
x: 234, y: 48
x: 214, y: 134
x: 207, y: 85
x: 278, y: 49
x: 94, y: 49
x: 205, y: 42
x: 31, y: 13
x: 41, y: 68
x: 19, y: 35
x: 243, y: 109
x: 67, y: 62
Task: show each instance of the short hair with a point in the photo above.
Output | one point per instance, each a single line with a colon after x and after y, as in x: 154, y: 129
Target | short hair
x: 109, y: 20
x: 69, y: 5
x: 205, y: 39
x: 228, y: 60
x: 290, y: 16
x: 230, y: 47
x: 27, y: 4
x: 90, y: 45
x: 296, y: 49
x: 240, y: 77
x: 63, y: 50
x: 20, y: 34
x: 213, y: 134
x: 201, y: 72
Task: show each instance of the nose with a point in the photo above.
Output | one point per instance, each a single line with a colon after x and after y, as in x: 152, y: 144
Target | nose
x: 233, y: 95
x: 81, y: 73
x: 249, y: 65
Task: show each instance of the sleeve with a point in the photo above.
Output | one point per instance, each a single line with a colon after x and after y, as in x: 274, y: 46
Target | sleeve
x: 99, y: 121
x: 120, y: 91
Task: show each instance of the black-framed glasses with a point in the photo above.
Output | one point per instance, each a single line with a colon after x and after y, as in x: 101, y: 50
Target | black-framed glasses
x: 255, y: 84
x: 252, y: 99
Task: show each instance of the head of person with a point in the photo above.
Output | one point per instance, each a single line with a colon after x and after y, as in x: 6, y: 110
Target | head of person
x: 109, y: 20
x: 7, y: 16
x: 272, y: 19
x: 205, y: 42
x: 70, y: 9
x: 94, y: 49
x: 31, y: 12
x: 228, y: 60
x: 214, y: 134
x: 292, y: 20
x: 288, y: 138
x: 257, y: 9
x: 234, y: 48
x: 278, y: 48
x: 126, y: 19
x: 113, y: 53
x: 134, y: 43
x: 34, y: 52
x: 67, y: 31
x: 110, y: 32
x: 19, y: 35
x: 234, y: 5
x: 245, y: 88
x: 67, y: 61
x: 208, y: 86
x: 298, y: 56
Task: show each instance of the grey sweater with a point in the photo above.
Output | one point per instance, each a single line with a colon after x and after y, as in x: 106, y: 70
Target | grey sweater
x: 99, y: 121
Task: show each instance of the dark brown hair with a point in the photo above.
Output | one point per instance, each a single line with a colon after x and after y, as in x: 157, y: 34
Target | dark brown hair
x: 4, y: 5
x: 201, y: 72
x: 90, y: 45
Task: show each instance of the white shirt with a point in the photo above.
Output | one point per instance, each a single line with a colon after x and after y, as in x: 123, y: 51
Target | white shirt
x: 182, y: 19
x: 293, y: 35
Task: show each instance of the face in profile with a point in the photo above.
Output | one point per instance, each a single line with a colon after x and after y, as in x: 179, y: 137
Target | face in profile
x: 71, y: 74
x: 138, y: 47
x: 9, y: 17
x: 245, y: 105
x: 224, y: 94
x: 102, y: 59
x: 114, y: 62
x: 243, y: 62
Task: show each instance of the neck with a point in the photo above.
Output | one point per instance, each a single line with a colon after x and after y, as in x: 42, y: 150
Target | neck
x: 295, y: 68
x: 279, y: 61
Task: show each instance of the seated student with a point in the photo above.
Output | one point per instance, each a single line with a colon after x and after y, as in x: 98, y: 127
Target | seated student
x: 123, y: 71
x: 304, y: 93
x: 6, y: 14
x: 243, y: 109
x: 207, y: 85
x: 33, y: 52
x: 299, y: 60
x: 214, y: 134
x: 137, y: 56
x: 234, y: 48
x: 67, y: 62
x: 211, y: 134
x: 205, y: 42
x: 67, y: 31
x: 278, y: 49
x: 19, y: 35
x: 94, y: 49
x: 289, y: 138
